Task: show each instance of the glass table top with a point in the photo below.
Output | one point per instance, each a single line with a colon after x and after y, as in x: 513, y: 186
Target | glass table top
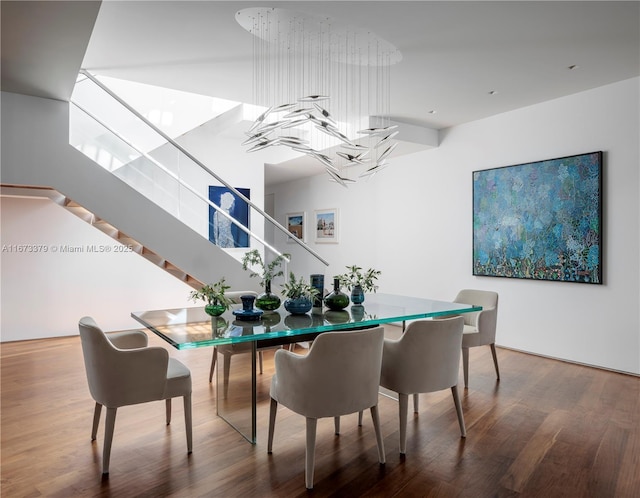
x: 186, y: 328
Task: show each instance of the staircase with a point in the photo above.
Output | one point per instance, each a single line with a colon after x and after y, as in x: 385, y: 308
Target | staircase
x: 130, y: 242
x: 117, y: 235
x: 146, y: 159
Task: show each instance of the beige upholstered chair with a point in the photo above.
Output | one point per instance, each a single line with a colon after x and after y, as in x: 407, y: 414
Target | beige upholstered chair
x: 479, y: 327
x: 122, y: 370
x: 426, y: 358
x: 339, y: 375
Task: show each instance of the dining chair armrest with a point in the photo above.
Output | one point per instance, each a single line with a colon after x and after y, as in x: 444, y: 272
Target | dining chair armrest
x: 395, y: 369
x: 291, y: 364
x: 129, y: 339
x: 135, y: 376
x: 486, y: 321
x: 293, y: 376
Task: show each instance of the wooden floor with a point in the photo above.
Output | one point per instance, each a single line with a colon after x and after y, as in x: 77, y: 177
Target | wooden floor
x: 547, y: 429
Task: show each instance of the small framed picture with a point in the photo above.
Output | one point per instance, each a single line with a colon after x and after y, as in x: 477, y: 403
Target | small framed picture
x: 295, y: 224
x: 326, y: 226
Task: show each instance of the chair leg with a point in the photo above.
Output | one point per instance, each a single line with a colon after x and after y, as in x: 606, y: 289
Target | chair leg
x: 273, y: 409
x: 360, y: 418
x: 108, y: 438
x: 403, y: 407
x: 376, y: 426
x: 214, y: 358
x: 416, y: 403
x: 465, y: 366
x: 188, y: 421
x: 495, y: 359
x: 167, y: 403
x: 336, y: 423
x: 310, y: 452
x: 456, y: 401
x: 96, y: 420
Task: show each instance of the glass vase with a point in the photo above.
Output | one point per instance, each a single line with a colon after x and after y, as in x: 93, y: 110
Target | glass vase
x: 268, y: 301
x: 357, y: 295
x: 215, y: 309
x: 336, y: 300
x: 317, y: 282
x: 298, y: 306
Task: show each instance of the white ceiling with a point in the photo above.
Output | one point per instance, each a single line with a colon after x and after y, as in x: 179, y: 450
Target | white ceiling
x: 454, y: 53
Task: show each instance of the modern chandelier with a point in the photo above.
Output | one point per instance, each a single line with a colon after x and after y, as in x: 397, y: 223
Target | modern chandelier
x: 326, y: 90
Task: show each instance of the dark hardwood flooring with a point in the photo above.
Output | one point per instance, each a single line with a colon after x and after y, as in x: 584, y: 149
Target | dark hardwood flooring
x: 547, y: 429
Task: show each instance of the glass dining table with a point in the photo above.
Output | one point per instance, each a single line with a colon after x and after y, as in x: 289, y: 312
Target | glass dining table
x: 239, y: 341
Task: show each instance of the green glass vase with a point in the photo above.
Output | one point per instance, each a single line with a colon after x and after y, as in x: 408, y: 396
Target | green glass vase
x: 215, y: 309
x: 336, y: 300
x: 268, y: 301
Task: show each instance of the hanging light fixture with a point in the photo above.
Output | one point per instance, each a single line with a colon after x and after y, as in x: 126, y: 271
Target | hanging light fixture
x: 325, y: 88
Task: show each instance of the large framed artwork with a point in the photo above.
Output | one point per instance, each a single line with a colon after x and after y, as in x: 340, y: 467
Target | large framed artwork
x: 326, y: 226
x: 295, y: 225
x: 540, y: 220
x: 222, y: 231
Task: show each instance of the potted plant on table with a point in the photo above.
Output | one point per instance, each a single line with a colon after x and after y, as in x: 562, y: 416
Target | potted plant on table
x: 267, y: 301
x: 299, y: 295
x: 359, y: 281
x: 214, y: 297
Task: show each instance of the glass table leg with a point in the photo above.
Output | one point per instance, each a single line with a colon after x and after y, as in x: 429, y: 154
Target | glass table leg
x: 236, y: 387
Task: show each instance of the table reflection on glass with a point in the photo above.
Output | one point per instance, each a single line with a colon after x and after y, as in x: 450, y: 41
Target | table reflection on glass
x: 238, y: 341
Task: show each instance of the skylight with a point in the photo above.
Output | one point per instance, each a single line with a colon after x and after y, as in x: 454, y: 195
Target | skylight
x: 174, y: 112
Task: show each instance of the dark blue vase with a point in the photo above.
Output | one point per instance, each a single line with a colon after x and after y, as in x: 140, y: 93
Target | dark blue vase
x: 248, y: 312
x: 317, y: 282
x: 298, y: 305
x: 357, y: 295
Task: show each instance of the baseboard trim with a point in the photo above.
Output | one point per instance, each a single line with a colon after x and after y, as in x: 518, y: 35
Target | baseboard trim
x: 564, y: 360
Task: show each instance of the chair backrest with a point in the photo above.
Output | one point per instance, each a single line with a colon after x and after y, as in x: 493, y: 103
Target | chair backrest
x: 234, y: 296
x: 118, y: 377
x: 426, y: 358
x: 487, y: 299
x: 341, y: 374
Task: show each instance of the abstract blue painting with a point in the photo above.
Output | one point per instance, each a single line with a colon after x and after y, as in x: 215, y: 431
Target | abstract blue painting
x: 540, y: 220
x: 222, y: 231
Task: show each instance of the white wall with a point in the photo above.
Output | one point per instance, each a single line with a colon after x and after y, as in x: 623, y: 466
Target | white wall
x: 46, y: 289
x: 413, y: 222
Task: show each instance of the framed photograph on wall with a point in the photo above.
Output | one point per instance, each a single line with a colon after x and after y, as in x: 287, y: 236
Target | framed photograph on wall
x: 295, y: 223
x: 222, y: 231
x: 326, y: 226
x: 540, y: 220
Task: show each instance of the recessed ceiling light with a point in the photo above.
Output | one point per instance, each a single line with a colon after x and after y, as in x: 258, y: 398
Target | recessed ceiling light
x: 493, y: 92
x: 432, y: 111
x: 572, y: 67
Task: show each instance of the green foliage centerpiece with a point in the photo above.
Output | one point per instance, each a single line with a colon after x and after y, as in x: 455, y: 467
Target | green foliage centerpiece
x: 267, y: 301
x: 214, y: 297
x: 299, y: 295
x: 359, y: 281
